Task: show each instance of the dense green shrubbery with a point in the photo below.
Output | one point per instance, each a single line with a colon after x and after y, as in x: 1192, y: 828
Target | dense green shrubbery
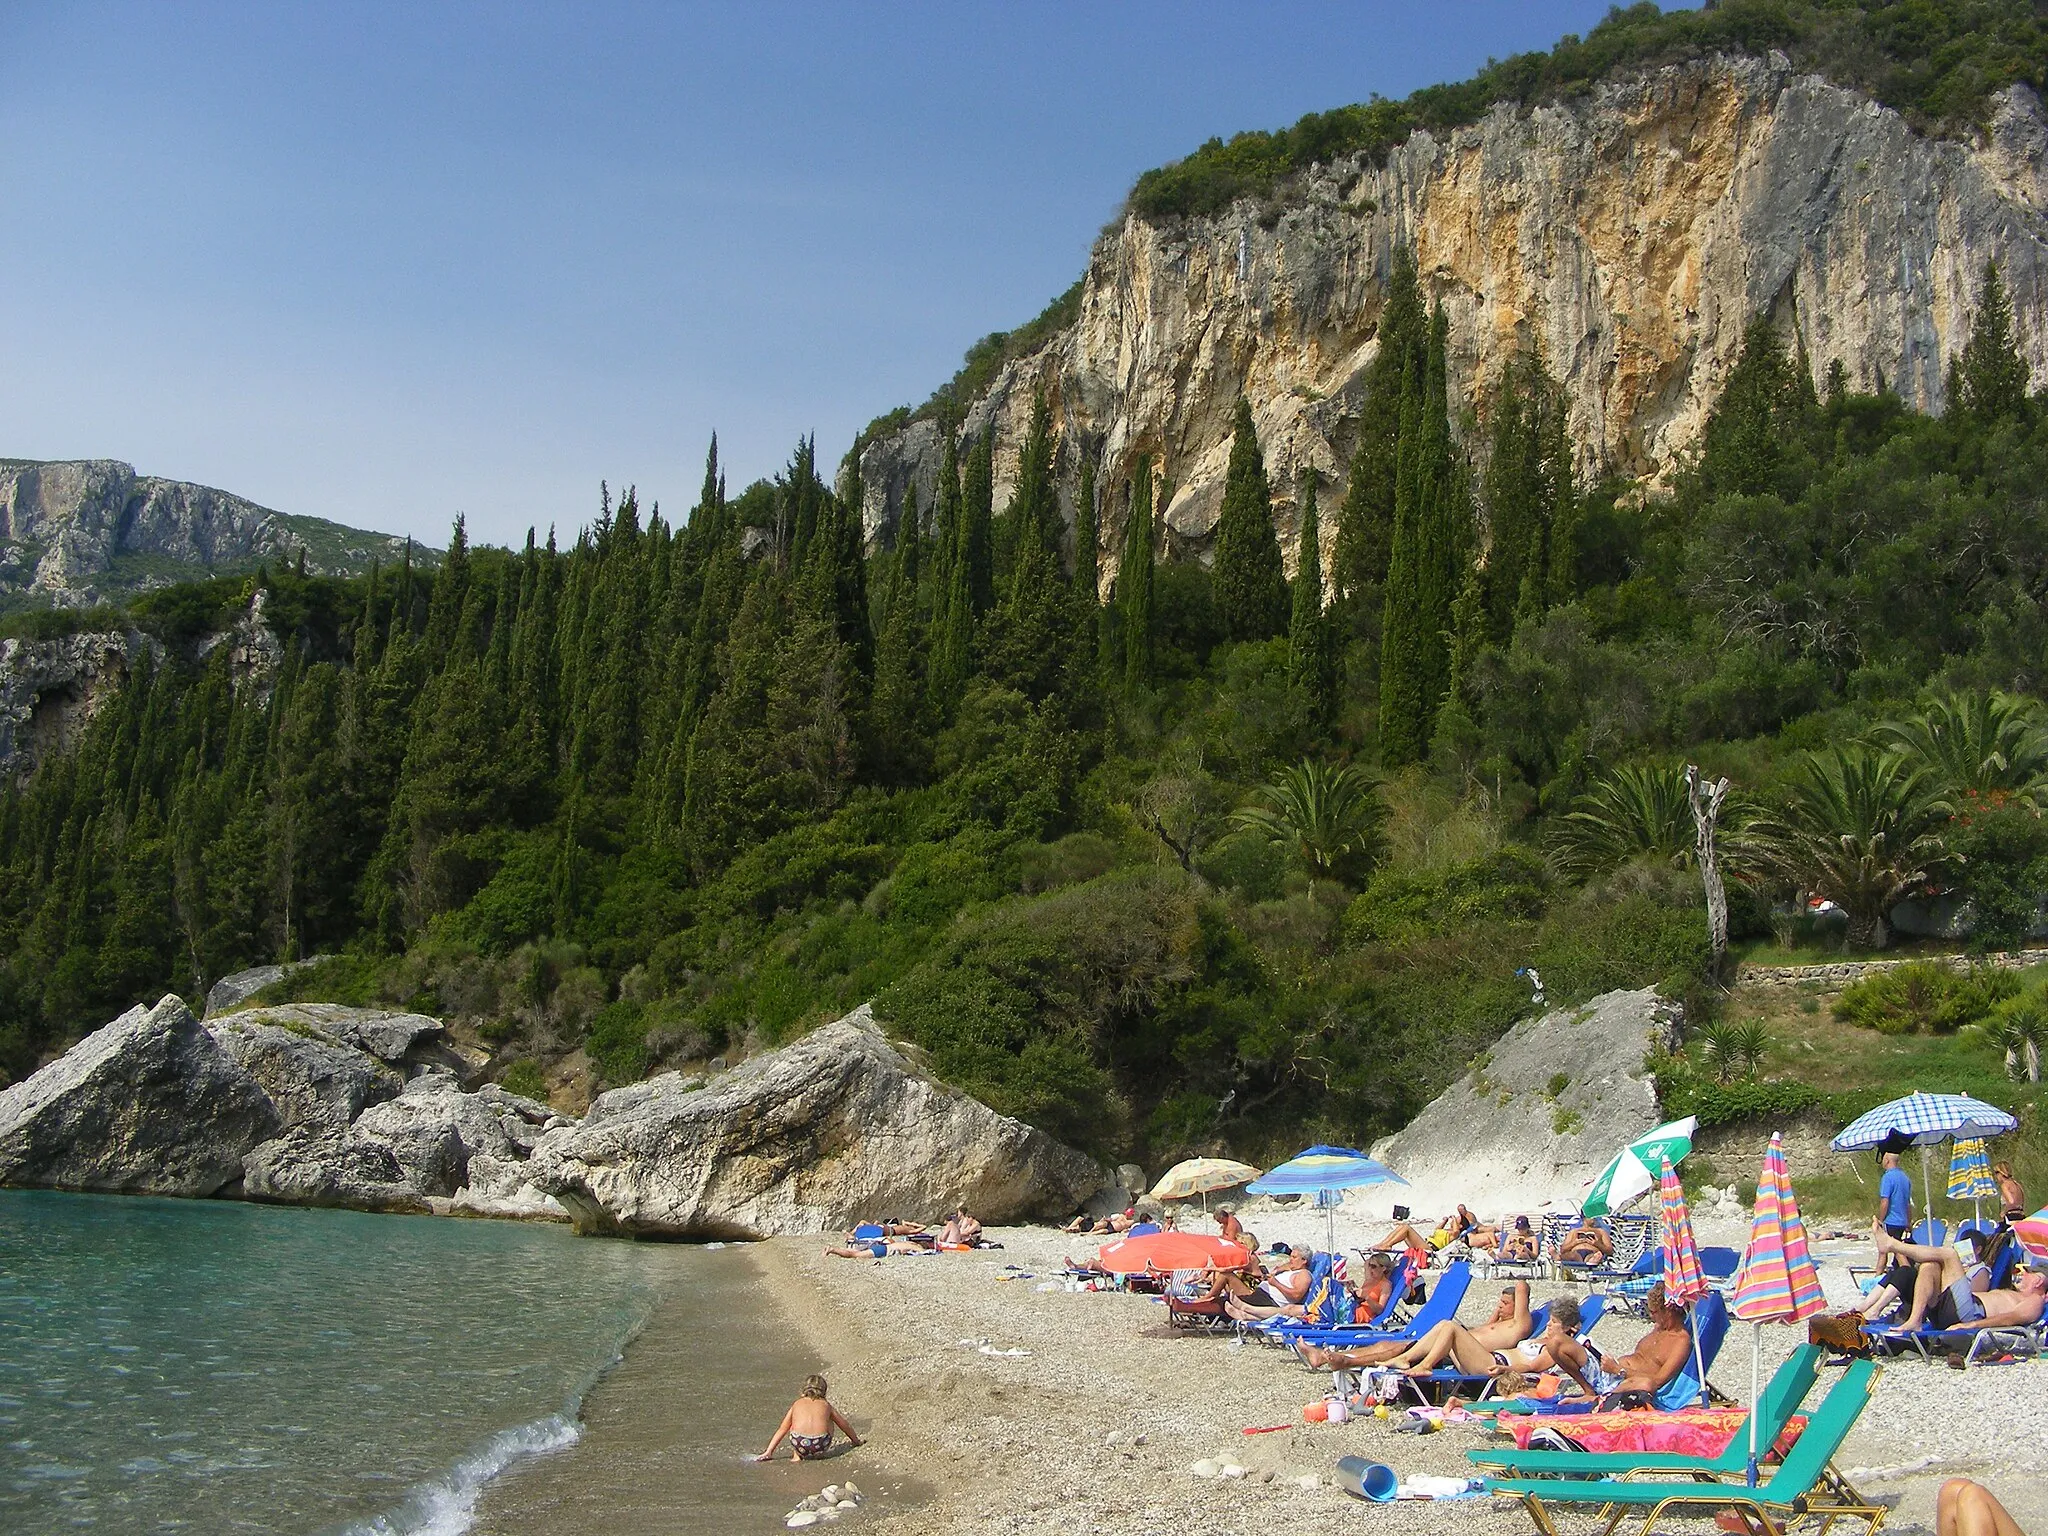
x: 1924, y: 998
x: 1937, y: 64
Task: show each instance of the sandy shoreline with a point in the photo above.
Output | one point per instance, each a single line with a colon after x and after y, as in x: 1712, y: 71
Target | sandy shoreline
x: 1046, y: 1442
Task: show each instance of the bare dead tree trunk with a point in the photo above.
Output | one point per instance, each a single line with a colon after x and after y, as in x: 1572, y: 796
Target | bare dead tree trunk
x: 1706, y: 815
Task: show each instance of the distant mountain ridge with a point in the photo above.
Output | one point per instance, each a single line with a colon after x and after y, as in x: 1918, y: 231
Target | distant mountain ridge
x: 75, y: 532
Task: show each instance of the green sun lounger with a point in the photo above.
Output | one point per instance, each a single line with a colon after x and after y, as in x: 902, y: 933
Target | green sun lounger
x: 1782, y: 1395
x: 1804, y: 1483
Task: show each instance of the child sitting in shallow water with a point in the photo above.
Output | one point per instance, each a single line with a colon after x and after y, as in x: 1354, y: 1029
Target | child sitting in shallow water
x: 809, y: 1425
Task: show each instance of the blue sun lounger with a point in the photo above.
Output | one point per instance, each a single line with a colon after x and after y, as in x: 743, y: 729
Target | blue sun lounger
x: 1710, y: 1326
x: 1442, y: 1302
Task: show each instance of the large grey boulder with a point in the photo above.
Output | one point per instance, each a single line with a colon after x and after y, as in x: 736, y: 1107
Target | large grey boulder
x: 810, y: 1138
x: 233, y: 990
x: 425, y: 1146
x: 435, y: 1130
x: 321, y: 1164
x: 412, y: 1042
x: 1539, y: 1115
x: 309, y: 1079
x: 149, y: 1104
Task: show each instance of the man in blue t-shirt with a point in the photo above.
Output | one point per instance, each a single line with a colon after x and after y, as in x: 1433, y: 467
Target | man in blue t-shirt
x: 1895, y: 1199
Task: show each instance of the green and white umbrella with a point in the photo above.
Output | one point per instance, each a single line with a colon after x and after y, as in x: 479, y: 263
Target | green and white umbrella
x: 1635, y: 1168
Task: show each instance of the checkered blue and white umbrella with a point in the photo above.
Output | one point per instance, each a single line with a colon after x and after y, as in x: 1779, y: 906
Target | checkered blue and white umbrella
x: 1921, y: 1119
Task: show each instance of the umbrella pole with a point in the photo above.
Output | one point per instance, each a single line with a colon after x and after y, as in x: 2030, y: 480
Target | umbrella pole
x: 1699, y: 1367
x: 1756, y: 1357
x: 1927, y: 1181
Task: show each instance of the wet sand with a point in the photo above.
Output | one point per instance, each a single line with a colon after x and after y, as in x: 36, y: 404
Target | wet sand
x: 669, y: 1433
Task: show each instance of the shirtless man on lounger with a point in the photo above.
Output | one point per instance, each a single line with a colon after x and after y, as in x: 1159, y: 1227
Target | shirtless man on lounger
x: 1448, y: 1340
x: 1944, y: 1295
x: 1649, y: 1367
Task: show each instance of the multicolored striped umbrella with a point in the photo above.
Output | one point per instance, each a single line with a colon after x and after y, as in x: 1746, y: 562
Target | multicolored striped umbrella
x: 2033, y: 1233
x: 1777, y: 1282
x: 1683, y: 1280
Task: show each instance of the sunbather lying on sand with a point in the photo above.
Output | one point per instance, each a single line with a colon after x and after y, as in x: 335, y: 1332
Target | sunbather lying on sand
x: 1116, y: 1221
x: 878, y: 1248
x: 1651, y: 1366
x: 1448, y: 1340
x: 1586, y: 1244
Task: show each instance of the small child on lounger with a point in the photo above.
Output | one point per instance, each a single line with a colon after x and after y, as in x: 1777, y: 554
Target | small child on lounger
x: 809, y: 1424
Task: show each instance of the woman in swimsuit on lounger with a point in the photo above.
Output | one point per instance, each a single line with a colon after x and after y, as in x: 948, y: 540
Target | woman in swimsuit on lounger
x: 809, y: 1424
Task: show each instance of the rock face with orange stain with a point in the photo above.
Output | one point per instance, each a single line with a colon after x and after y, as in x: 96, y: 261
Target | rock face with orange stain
x: 1629, y: 234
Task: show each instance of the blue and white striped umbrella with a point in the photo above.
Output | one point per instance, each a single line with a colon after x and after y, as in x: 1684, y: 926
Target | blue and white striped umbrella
x: 1922, y: 1119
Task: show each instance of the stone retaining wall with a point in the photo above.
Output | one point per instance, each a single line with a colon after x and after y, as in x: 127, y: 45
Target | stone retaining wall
x: 1839, y: 973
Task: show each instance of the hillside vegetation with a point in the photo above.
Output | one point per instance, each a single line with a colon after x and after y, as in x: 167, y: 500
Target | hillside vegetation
x: 1938, y: 62
x: 1222, y: 863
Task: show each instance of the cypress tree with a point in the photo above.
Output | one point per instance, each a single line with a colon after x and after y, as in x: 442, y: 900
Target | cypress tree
x: 977, y: 515
x: 451, y: 591
x: 1514, y: 491
x: 1422, y: 575
x: 1311, y: 654
x: 1134, y: 580
x: 1994, y: 374
x: 1251, y: 583
x: 1365, y: 521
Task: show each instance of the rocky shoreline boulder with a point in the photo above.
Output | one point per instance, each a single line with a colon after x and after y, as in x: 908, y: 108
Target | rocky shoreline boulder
x: 149, y: 1104
x: 1537, y: 1117
x: 811, y: 1138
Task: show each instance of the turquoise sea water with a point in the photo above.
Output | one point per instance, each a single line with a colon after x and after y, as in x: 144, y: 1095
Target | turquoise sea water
x: 216, y: 1367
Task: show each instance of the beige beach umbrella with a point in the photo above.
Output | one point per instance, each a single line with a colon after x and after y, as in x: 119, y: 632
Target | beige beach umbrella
x: 1202, y: 1176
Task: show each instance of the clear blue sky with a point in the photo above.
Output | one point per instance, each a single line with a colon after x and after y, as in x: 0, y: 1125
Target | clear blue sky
x: 384, y: 263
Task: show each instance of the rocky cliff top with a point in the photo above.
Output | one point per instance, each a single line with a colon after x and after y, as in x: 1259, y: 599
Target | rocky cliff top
x: 76, y: 532
x: 1630, y: 234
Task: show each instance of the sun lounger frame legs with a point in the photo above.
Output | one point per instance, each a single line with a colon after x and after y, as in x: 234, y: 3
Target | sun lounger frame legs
x: 1700, y: 1500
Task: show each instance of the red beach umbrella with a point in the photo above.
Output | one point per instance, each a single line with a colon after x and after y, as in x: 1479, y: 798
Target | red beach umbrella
x: 1163, y: 1252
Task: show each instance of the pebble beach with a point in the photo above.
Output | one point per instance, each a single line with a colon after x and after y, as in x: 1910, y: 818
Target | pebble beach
x: 1010, y: 1407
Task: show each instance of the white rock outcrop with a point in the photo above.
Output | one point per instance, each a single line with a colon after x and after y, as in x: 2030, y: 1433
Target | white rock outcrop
x: 811, y: 1138
x: 1538, y: 1116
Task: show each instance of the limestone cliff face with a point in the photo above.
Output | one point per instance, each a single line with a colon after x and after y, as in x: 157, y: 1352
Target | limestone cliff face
x: 1630, y: 235
x: 72, y: 532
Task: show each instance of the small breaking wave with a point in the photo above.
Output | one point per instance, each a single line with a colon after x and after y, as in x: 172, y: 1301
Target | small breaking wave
x: 445, y: 1506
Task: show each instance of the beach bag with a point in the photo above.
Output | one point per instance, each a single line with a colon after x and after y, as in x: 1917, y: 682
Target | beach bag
x: 1549, y: 1438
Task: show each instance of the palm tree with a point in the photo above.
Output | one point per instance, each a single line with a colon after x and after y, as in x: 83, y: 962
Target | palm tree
x: 1333, y: 817
x: 2018, y: 1030
x: 1975, y: 746
x: 1858, y: 827
x: 1638, y: 809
